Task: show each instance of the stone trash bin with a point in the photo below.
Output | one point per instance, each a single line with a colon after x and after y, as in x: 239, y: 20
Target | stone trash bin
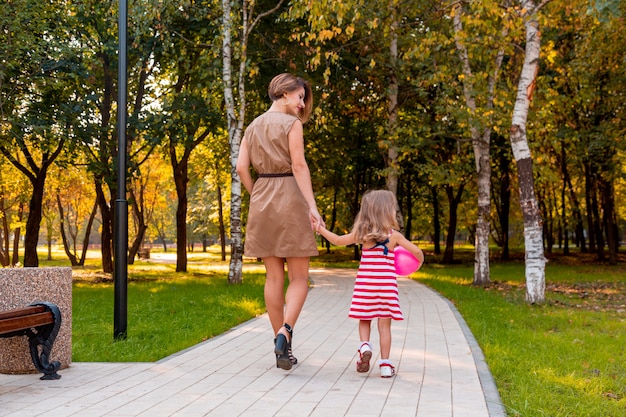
x: 20, y: 287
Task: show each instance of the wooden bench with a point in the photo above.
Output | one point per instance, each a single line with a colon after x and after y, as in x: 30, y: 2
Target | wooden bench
x: 41, y: 323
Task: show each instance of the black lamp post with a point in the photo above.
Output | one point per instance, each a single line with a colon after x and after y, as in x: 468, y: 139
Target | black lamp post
x: 121, y: 205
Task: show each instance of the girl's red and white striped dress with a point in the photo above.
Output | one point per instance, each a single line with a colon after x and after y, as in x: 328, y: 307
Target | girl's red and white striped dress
x: 376, y: 286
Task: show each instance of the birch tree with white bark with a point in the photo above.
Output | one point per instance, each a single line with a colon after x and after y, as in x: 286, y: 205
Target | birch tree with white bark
x: 533, y: 226
x: 480, y: 125
x: 235, y: 113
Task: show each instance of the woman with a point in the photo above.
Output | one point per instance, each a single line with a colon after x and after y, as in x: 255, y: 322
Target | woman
x: 282, y: 205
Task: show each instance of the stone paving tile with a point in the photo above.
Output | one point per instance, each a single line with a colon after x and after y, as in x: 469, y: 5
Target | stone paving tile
x: 440, y: 370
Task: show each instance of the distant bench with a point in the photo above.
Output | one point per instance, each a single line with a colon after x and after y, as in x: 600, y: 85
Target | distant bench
x: 40, y: 322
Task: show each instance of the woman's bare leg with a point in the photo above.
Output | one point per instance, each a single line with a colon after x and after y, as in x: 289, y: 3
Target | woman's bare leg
x: 298, y: 272
x: 274, y: 291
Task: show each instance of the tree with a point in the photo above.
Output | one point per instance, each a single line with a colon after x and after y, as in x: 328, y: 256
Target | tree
x: 14, y: 194
x: 146, y: 191
x: 533, y: 230
x: 36, y: 172
x: 481, y: 119
x: 601, y: 72
x: 76, y: 206
x: 38, y: 83
x: 94, y: 29
x: 449, y: 171
x: 212, y: 174
x: 190, y: 110
x: 236, y: 114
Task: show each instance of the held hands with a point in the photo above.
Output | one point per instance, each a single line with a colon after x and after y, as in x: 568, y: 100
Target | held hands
x: 316, y: 219
x: 317, y: 225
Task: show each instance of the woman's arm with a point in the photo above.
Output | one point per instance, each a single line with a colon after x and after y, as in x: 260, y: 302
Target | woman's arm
x: 243, y: 166
x: 301, y: 171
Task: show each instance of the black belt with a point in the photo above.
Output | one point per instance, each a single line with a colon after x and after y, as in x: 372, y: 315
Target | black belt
x: 284, y: 174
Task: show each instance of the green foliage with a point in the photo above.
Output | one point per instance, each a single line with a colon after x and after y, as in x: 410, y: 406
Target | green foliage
x: 38, y: 81
x: 605, y: 9
x: 58, y: 80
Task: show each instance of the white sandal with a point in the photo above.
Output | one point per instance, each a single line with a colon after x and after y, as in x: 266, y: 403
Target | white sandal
x: 387, y: 370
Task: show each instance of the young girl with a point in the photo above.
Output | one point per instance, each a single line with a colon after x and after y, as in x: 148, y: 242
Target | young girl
x: 376, y: 288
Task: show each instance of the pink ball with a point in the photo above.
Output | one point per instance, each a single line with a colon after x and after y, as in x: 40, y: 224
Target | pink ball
x: 405, y: 262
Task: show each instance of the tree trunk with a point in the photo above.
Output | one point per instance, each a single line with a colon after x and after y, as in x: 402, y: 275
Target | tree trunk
x: 454, y: 201
x: 104, y: 159
x: 565, y: 219
x: 92, y: 216
x: 235, y: 129
x: 16, y: 236
x: 564, y: 216
x: 106, y: 236
x: 481, y: 140
x: 235, y: 271
x: 180, y: 181
x: 4, y: 244
x: 436, y: 221
x: 49, y: 241
x: 333, y: 217
x: 504, y: 209
x: 545, y: 211
x: 590, y: 202
x: 163, y: 241
x: 31, y: 236
x: 140, y: 223
x: 222, y: 228
x: 608, y: 220
x: 66, y: 244
x: 597, y: 221
x: 580, y: 229
x: 533, y: 239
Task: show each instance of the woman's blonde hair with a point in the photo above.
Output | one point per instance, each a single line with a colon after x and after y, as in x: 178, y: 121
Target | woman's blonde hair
x: 286, y: 83
x: 377, y: 216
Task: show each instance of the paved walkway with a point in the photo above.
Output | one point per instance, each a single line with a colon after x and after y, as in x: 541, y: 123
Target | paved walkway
x: 440, y: 370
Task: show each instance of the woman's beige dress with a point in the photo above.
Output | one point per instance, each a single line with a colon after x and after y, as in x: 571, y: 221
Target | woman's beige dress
x: 278, y: 219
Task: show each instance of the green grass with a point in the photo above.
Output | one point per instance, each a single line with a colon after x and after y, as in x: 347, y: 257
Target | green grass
x: 564, y: 358
x: 168, y: 311
x: 164, y: 315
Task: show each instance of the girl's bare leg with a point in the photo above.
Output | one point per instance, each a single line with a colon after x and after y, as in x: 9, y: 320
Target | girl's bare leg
x: 364, y: 330
x: 384, y: 330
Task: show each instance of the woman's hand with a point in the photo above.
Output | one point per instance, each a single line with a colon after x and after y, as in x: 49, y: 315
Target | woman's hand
x: 316, y: 219
x: 317, y: 225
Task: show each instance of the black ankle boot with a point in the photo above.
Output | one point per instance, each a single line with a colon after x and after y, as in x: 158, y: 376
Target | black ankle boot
x: 282, y: 349
x: 292, y: 358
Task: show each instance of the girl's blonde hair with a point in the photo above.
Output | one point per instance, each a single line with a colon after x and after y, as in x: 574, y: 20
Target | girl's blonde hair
x: 286, y: 83
x: 377, y: 216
